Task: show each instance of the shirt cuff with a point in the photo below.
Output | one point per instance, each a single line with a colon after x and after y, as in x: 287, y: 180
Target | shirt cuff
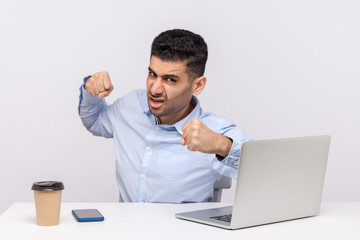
x: 232, y: 159
x: 86, y: 78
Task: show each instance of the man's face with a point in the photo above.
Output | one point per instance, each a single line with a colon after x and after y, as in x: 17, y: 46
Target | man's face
x: 169, y: 90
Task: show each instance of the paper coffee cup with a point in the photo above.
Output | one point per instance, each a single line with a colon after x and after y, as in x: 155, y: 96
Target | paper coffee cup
x: 47, y: 195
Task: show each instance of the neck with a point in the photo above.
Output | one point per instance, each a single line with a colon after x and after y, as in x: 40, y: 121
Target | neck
x: 174, y: 118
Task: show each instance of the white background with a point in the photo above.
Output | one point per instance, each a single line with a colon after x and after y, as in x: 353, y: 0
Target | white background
x: 280, y: 68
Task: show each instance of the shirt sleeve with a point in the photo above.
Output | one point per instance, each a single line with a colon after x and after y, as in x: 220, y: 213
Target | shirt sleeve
x: 230, y: 164
x: 95, y: 114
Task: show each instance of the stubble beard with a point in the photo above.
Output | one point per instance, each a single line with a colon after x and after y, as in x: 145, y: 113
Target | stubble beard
x: 167, y: 111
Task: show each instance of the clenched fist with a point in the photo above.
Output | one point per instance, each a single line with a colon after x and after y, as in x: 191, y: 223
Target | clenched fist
x: 199, y: 137
x: 99, y: 85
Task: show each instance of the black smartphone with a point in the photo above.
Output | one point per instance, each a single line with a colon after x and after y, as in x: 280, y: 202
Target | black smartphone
x: 87, y: 215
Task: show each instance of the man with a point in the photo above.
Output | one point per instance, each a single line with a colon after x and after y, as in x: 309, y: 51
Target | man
x: 167, y: 149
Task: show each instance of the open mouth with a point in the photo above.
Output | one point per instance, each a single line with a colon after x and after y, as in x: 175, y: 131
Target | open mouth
x: 155, y: 102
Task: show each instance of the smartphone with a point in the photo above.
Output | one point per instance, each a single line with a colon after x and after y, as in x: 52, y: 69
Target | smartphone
x: 87, y: 215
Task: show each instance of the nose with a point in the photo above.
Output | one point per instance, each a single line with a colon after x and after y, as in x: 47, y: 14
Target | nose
x: 157, y: 88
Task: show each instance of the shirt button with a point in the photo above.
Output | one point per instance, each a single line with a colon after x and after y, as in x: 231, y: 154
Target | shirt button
x: 148, y: 148
x: 142, y: 176
x: 156, y: 128
x: 235, y: 163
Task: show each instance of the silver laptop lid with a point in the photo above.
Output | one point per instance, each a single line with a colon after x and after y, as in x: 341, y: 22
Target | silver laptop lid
x: 279, y: 180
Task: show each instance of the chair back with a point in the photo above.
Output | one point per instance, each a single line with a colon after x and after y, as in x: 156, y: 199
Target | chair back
x: 222, y: 183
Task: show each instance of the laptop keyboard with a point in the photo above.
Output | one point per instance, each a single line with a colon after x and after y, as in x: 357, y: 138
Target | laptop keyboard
x: 225, y: 218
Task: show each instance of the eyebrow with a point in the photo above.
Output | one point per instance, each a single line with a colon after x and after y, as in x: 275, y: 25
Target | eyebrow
x: 166, y: 75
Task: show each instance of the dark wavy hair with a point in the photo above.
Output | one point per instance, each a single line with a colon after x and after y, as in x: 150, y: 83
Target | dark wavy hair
x: 182, y: 45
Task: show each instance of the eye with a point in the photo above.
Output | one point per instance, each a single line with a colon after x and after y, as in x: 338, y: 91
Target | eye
x: 170, y: 80
x: 152, y: 74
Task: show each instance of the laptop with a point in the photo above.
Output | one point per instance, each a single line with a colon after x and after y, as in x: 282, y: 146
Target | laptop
x: 278, y: 180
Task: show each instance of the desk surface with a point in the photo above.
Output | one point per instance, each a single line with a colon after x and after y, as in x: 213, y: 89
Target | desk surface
x: 157, y: 221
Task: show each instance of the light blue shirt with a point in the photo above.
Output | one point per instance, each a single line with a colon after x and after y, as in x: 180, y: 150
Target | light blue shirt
x: 151, y: 163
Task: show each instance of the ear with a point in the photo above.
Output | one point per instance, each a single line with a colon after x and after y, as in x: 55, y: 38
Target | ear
x: 199, y: 85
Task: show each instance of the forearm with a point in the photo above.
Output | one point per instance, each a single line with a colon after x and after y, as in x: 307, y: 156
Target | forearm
x: 238, y: 137
x: 223, y: 146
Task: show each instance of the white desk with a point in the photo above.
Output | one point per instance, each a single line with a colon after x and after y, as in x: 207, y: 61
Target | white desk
x: 157, y: 221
